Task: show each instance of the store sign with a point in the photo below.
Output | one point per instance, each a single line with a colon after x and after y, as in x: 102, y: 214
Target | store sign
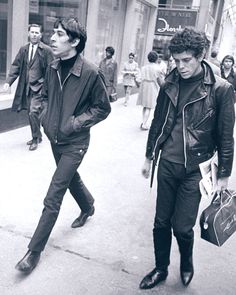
x: 170, y: 21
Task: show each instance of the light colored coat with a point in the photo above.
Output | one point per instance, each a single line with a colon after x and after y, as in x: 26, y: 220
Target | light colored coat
x: 149, y: 88
x: 130, y: 71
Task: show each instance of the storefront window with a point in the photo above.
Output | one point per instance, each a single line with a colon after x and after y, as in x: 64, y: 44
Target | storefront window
x: 3, y: 39
x: 161, y: 44
x: 46, y: 12
x: 141, y: 17
x: 175, y: 3
x: 110, y: 27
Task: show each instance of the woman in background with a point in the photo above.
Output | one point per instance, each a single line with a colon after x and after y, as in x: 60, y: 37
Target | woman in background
x: 151, y: 79
x: 130, y: 72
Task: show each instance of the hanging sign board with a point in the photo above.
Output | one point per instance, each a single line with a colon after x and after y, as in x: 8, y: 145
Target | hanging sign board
x: 170, y: 21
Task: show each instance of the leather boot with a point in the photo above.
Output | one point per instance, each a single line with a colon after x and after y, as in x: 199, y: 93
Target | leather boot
x: 80, y: 221
x: 162, y: 245
x: 28, y: 262
x: 162, y: 238
x: 186, y: 260
x: 153, y: 278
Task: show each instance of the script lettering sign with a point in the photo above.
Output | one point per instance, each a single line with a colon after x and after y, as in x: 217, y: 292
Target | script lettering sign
x: 170, y: 21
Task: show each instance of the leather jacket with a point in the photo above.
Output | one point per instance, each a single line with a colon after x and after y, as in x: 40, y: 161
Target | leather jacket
x: 208, y: 122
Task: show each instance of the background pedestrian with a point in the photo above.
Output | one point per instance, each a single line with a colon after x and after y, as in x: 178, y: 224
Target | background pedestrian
x: 109, y: 69
x: 130, y: 71
x: 227, y: 70
x: 151, y: 79
x: 30, y: 66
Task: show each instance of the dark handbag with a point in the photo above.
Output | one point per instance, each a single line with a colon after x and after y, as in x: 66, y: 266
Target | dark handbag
x: 137, y: 82
x: 113, y: 95
x: 218, y: 220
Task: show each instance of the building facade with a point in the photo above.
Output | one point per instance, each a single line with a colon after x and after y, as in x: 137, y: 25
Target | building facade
x: 127, y: 25
x: 174, y: 15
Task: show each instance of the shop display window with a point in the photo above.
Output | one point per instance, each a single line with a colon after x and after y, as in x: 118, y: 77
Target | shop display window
x: 141, y: 17
x: 45, y: 12
x: 110, y: 27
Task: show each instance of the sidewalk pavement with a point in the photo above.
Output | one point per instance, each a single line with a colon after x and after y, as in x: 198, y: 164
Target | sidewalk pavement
x: 114, y: 250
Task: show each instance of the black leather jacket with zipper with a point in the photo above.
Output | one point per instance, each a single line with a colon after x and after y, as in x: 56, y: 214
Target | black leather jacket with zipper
x: 208, y: 122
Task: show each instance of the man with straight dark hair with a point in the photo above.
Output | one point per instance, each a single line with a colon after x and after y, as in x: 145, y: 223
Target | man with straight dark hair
x: 75, y: 99
x: 194, y: 117
x: 109, y: 69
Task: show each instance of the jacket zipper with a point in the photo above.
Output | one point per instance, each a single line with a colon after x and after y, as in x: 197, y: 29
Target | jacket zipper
x: 204, y: 119
x: 161, y: 131
x: 184, y: 138
x: 60, y: 110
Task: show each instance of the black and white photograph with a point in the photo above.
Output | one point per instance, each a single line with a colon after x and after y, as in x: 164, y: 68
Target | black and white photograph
x: 117, y: 153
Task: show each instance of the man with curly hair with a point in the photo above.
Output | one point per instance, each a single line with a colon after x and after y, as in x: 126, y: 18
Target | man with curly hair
x: 194, y: 117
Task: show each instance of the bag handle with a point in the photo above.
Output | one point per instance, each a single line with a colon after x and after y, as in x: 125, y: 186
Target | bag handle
x: 219, y: 196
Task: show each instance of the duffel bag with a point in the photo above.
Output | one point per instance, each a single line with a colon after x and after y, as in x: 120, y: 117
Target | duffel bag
x: 218, y: 220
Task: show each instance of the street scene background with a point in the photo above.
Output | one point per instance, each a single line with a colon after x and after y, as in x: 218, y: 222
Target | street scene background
x: 114, y: 250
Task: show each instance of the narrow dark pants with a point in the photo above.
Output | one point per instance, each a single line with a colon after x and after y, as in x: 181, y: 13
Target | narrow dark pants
x: 178, y: 199
x: 34, y: 110
x: 68, y: 158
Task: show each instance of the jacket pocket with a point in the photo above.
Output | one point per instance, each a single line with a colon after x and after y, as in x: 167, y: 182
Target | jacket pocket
x: 204, y: 120
x: 68, y: 127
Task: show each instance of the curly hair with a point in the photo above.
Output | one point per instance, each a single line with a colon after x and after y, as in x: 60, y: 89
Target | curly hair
x: 189, y: 40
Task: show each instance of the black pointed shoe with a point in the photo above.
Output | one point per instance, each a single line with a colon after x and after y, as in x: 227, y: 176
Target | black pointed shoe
x: 153, y: 278
x: 186, y: 277
x: 80, y: 221
x: 39, y: 140
x: 28, y: 262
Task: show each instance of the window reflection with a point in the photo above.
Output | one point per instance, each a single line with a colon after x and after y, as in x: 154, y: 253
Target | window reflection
x: 110, y: 27
x: 45, y: 13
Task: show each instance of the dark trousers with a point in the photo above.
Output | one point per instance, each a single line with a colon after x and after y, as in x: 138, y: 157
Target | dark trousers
x: 178, y: 198
x: 68, y: 158
x: 34, y: 111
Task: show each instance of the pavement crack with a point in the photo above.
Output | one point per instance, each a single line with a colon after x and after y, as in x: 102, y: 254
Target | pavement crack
x: 115, y: 266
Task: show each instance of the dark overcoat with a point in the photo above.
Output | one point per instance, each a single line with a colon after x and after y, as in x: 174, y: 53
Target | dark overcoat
x: 31, y: 74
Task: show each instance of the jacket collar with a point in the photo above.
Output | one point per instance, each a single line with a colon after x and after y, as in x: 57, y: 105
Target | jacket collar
x: 76, y: 69
x: 40, y: 45
x: 172, y: 82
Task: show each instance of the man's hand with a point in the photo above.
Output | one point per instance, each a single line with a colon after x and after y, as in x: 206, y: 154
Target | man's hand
x: 146, y: 168
x: 222, y: 184
x: 5, y: 87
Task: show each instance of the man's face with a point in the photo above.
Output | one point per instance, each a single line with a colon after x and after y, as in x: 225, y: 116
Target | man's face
x: 187, y: 65
x: 108, y: 55
x: 34, y: 35
x: 60, y: 44
x: 228, y: 63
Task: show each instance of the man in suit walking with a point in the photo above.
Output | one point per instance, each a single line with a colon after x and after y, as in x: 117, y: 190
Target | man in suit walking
x: 30, y: 66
